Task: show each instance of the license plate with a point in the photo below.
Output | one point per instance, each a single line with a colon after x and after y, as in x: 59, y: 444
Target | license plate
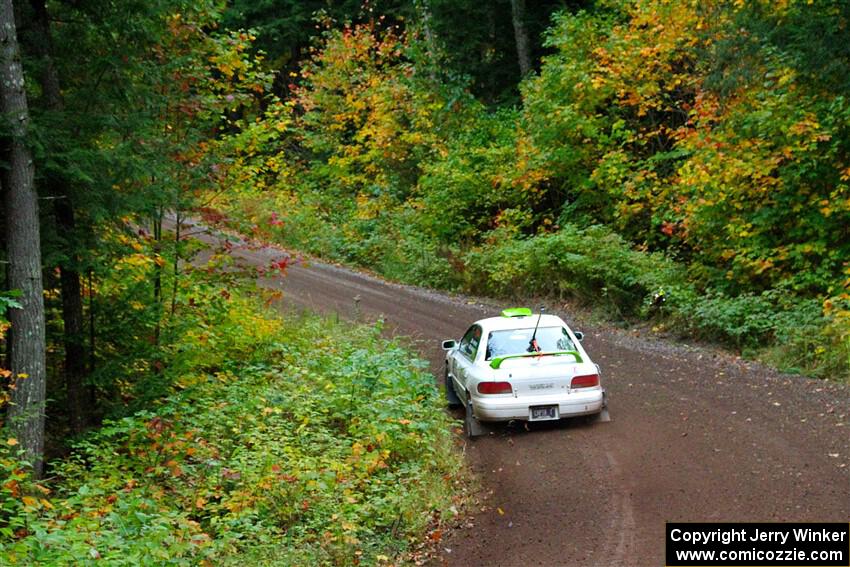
x: 542, y: 413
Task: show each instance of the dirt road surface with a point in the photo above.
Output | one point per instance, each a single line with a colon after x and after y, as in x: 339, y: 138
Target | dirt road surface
x: 696, y: 436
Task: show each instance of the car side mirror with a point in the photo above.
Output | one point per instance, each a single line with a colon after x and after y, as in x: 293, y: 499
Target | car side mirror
x: 449, y: 345
x: 579, y: 335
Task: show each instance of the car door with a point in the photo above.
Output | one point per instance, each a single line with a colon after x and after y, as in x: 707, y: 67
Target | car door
x: 466, y: 352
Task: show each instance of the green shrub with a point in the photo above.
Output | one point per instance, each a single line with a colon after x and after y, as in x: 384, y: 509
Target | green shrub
x: 294, y: 442
x: 596, y: 266
x: 589, y: 264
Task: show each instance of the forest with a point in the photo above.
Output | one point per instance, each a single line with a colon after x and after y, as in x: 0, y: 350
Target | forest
x: 689, y: 151
x: 676, y: 164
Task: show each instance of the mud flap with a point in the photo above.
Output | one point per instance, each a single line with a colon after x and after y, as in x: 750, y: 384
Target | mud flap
x: 603, y: 416
x: 471, y: 426
x: 451, y: 396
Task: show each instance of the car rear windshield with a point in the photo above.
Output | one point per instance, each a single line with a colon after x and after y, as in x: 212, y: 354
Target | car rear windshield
x: 516, y: 341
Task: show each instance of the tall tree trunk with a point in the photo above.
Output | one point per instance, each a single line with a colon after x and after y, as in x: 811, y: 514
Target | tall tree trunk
x: 63, y: 210
x: 489, y: 49
x: 176, y: 262
x: 6, y: 355
x: 521, y: 36
x: 74, y: 330
x: 92, y: 345
x: 23, y: 239
x: 157, y: 271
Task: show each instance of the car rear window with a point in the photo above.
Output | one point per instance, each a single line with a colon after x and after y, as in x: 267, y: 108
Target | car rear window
x: 516, y: 341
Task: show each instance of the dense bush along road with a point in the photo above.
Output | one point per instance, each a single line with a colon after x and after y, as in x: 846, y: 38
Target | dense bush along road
x: 695, y: 436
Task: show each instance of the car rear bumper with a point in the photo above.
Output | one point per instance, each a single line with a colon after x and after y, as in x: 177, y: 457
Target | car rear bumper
x: 497, y: 408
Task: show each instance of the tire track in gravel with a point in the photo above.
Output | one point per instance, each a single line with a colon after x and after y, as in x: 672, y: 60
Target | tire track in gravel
x: 621, y: 532
x: 695, y: 436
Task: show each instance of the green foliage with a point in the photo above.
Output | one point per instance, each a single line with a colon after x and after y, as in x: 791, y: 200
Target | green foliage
x: 7, y: 301
x: 286, y: 28
x: 477, y: 40
x: 745, y: 183
x: 696, y: 134
x: 597, y: 267
x: 134, y: 129
x: 471, y: 182
x: 295, y: 441
x: 589, y: 264
x: 368, y: 115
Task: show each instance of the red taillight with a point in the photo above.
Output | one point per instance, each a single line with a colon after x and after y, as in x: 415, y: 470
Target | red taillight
x: 588, y: 381
x: 495, y: 388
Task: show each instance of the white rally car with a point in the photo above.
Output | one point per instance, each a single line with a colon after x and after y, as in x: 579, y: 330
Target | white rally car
x: 522, y: 366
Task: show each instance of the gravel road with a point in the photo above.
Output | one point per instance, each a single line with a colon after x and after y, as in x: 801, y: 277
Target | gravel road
x: 696, y: 436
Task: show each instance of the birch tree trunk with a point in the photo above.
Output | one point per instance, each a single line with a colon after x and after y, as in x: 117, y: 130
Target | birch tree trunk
x: 23, y: 241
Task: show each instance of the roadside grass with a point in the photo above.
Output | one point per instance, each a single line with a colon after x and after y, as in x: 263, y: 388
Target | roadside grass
x: 280, y: 441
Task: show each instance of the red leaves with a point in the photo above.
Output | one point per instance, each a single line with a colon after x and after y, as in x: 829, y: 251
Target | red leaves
x: 283, y: 476
x: 280, y: 265
x: 156, y: 426
x: 274, y: 220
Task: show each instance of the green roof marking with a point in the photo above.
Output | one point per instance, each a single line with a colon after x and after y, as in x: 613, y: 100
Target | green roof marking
x: 517, y: 312
x: 497, y: 362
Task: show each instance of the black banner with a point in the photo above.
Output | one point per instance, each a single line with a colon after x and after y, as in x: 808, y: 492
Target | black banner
x: 758, y: 545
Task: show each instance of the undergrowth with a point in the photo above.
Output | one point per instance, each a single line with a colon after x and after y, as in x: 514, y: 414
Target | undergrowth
x: 598, y: 268
x: 281, y: 441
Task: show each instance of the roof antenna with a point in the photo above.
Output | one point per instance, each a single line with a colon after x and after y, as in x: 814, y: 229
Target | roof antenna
x: 532, y: 344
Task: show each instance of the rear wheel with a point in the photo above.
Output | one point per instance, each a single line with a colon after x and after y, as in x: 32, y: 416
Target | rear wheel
x: 451, y: 396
